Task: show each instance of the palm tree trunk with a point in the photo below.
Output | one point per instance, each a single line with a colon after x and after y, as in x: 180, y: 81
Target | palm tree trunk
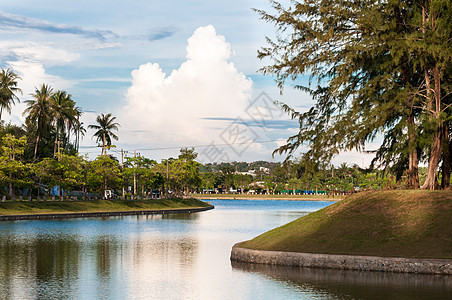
x: 77, y: 140
x: 104, y: 150
x: 68, y: 137
x: 36, y: 146
x: 55, y: 146
x: 77, y: 133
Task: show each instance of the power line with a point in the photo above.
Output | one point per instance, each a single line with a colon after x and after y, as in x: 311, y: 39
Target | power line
x: 202, y: 146
x: 179, y: 147
x: 88, y: 147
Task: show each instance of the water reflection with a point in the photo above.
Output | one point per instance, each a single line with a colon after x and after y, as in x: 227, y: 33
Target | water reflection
x: 347, y: 284
x: 180, y: 216
x: 104, y: 256
x: 47, y: 266
x: 27, y: 265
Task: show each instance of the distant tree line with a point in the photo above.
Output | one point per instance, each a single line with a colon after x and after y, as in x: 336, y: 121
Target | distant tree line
x: 299, y: 177
x: 139, y: 177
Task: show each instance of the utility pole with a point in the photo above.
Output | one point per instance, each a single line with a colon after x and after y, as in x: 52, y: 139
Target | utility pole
x: 167, y: 179
x: 134, y: 174
x: 139, y: 165
x: 122, y: 168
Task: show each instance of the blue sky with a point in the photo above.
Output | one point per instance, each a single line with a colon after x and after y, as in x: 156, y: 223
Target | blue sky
x: 175, y: 73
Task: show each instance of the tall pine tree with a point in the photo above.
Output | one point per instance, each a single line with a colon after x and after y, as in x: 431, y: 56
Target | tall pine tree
x: 364, y: 71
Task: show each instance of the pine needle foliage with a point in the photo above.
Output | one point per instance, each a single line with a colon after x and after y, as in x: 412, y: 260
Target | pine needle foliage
x: 371, y: 67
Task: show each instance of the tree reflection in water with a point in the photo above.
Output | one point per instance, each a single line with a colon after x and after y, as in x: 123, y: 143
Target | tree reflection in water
x: 43, y: 264
x: 50, y: 265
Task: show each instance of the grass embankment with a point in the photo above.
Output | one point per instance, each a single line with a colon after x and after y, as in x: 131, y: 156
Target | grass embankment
x: 268, y: 197
x: 49, y: 207
x: 412, y: 224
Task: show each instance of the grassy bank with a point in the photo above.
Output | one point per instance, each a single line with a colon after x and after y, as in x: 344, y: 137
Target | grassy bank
x: 268, y: 197
x: 414, y: 224
x: 19, y: 208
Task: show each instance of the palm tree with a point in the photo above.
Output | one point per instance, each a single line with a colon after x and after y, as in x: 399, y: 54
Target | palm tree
x: 342, y: 171
x: 79, y: 130
x: 105, y: 125
x: 63, y: 114
x: 39, y: 110
x: 73, y: 124
x: 8, y: 90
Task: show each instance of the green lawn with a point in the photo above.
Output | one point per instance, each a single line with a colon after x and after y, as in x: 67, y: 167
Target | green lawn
x: 18, y: 208
x: 388, y: 223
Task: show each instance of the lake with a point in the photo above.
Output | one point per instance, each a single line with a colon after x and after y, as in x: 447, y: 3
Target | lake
x: 180, y: 256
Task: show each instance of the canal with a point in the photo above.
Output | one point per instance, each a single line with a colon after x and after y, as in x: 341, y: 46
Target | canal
x: 180, y: 256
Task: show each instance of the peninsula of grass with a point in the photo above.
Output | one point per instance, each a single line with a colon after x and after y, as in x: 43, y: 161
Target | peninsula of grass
x: 410, y: 224
x: 50, y: 207
x: 269, y: 197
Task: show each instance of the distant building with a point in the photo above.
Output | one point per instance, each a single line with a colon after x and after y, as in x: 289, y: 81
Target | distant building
x: 264, y: 170
x: 249, y: 172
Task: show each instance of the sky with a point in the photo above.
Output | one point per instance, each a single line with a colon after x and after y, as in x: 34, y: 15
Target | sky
x: 174, y: 73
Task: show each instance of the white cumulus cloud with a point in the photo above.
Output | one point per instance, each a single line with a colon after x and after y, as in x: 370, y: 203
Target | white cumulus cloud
x: 171, y: 110
x: 29, y: 60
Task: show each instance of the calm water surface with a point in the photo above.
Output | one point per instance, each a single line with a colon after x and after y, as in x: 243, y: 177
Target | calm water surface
x: 180, y: 256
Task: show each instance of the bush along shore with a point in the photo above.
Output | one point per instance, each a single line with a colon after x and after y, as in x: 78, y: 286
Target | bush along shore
x: 372, y: 226
x: 71, y: 208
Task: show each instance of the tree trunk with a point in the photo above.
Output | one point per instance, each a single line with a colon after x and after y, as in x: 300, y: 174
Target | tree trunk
x: 68, y: 138
x: 55, y: 146
x: 11, y: 190
x: 104, y: 150
x: 436, y: 150
x: 447, y: 151
x: 435, y: 156
x: 36, y: 146
x: 413, y: 175
x: 60, y: 191
x: 77, y: 136
x: 430, y: 181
